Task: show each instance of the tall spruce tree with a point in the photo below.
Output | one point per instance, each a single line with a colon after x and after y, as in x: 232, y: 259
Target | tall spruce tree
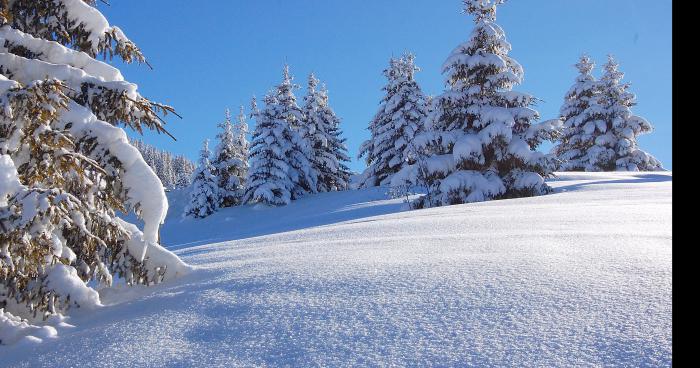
x: 340, y: 179
x: 329, y: 153
x: 69, y: 164
x: 268, y: 180
x: 400, y: 118
x: 204, y: 192
x: 580, y: 127
x: 482, y: 137
x: 280, y: 152
x: 616, y: 145
x: 299, y: 152
x: 242, y: 146
x: 229, y: 164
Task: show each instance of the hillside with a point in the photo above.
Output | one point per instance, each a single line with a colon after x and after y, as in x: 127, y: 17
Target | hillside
x: 580, y: 277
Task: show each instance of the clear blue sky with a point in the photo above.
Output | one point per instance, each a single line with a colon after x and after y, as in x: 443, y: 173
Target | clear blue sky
x: 214, y: 54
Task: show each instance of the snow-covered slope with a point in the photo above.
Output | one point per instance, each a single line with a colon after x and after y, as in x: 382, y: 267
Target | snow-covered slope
x: 581, y: 277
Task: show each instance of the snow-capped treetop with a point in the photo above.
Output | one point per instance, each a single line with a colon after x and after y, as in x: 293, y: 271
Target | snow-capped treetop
x: 285, y: 97
x: 253, y: 107
x: 241, y: 131
x: 226, y: 139
x: 482, y: 9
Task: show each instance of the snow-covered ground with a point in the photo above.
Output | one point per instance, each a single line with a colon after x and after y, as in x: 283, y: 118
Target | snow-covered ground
x: 581, y: 277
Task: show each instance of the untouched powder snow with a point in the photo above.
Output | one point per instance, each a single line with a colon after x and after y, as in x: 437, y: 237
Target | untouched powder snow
x: 581, y: 277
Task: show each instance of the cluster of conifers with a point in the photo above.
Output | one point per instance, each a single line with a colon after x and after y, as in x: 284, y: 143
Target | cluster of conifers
x: 294, y: 151
x: 476, y: 141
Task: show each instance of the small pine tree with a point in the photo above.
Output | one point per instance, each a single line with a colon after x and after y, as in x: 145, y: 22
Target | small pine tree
x: 616, y: 145
x: 329, y: 150
x: 482, y: 139
x: 204, y: 193
x: 579, y: 124
x: 400, y: 118
x: 228, y: 164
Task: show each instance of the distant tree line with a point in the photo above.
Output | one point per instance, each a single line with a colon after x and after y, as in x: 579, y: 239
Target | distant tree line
x: 174, y: 171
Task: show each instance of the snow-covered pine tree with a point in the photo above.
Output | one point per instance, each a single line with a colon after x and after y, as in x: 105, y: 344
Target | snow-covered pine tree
x: 340, y: 179
x: 482, y: 137
x: 67, y: 166
x: 616, y: 145
x: 299, y: 151
x: 579, y: 129
x: 204, y: 192
x: 400, y: 118
x: 240, y: 130
x: 268, y: 180
x: 329, y: 151
x: 227, y: 165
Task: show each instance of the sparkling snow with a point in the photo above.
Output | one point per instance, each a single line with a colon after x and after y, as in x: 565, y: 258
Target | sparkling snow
x: 581, y: 277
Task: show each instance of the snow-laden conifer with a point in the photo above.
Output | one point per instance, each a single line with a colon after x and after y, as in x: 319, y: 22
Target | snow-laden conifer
x: 400, y: 118
x: 67, y: 166
x: 280, y: 151
x: 299, y: 150
x: 204, y: 192
x: 229, y: 164
x: 616, y: 128
x: 329, y: 155
x: 482, y: 137
x: 268, y: 179
x: 579, y: 124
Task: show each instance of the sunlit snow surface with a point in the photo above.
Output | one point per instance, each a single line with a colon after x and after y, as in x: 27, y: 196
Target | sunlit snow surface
x: 581, y: 277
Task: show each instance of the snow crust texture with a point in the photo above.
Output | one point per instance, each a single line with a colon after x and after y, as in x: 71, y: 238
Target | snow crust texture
x: 581, y: 277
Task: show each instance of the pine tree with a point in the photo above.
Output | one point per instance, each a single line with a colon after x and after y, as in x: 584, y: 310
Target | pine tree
x: 482, y: 137
x: 400, y: 118
x: 227, y: 164
x: 68, y: 163
x: 616, y: 145
x: 204, y: 192
x: 329, y: 150
x: 268, y: 178
x: 242, y: 151
x: 340, y: 178
x: 299, y: 151
x: 580, y: 127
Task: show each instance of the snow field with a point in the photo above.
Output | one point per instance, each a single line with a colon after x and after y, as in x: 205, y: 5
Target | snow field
x: 581, y: 277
